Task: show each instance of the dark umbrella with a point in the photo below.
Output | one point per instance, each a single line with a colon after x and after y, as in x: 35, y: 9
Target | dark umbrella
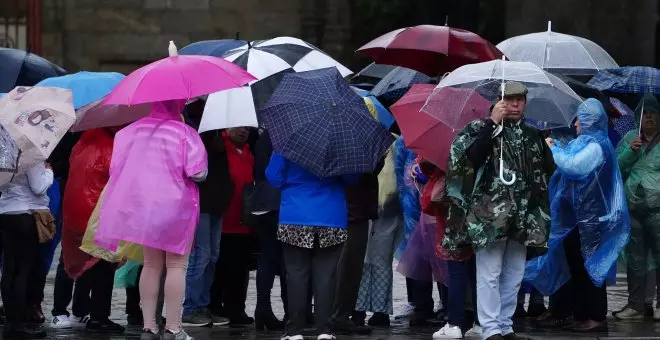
x: 22, y: 68
x: 372, y: 74
x: 214, y: 48
x: 316, y: 120
x: 585, y: 91
x: 397, y: 83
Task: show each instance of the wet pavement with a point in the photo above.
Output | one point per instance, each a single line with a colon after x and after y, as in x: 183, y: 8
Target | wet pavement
x: 399, y: 330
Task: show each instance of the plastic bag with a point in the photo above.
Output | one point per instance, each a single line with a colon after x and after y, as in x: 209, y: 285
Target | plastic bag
x: 126, y: 276
x: 126, y: 250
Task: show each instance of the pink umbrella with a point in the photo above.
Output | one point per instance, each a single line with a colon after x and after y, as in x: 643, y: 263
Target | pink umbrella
x: 178, y: 77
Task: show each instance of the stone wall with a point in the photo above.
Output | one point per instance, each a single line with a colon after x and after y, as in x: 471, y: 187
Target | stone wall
x: 121, y: 35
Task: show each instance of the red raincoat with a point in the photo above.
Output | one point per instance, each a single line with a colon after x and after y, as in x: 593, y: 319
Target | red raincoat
x: 89, y: 172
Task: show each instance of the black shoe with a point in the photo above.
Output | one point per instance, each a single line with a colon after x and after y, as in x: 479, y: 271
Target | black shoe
x: 346, y: 326
x: 554, y: 322
x: 267, y: 321
x: 23, y: 332
x: 35, y: 315
x: 534, y: 310
x: 520, y: 312
x: 419, y: 319
x: 648, y: 310
x: 359, y: 318
x: 104, y: 326
x: 240, y: 320
x: 135, y: 320
x: 379, y: 320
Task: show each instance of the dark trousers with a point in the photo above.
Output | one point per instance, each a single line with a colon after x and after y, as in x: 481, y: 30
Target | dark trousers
x: 349, y: 269
x: 461, y: 275
x: 229, y: 288
x: 589, y: 301
x: 409, y: 287
x: 422, y: 295
x: 320, y: 266
x: 270, y: 262
x: 561, y: 302
x: 101, y: 278
x: 133, y: 297
x: 20, y: 272
x: 64, y: 290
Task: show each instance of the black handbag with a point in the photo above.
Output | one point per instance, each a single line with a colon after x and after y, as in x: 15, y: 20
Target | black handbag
x: 247, y: 218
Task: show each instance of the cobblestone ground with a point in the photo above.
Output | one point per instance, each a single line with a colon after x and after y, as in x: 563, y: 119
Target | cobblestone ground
x: 399, y: 330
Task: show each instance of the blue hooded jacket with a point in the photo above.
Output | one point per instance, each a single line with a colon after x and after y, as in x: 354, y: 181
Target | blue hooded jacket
x: 586, y: 191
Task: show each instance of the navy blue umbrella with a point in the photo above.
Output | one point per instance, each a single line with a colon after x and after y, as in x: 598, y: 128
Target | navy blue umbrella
x: 22, y: 68
x: 214, y: 48
x: 316, y: 120
x: 397, y: 83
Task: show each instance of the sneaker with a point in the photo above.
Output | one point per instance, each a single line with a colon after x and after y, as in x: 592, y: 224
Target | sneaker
x: 448, y: 332
x: 475, y: 331
x: 198, y: 318
x: 61, y: 322
x: 629, y: 314
x: 104, y: 326
x: 292, y: 337
x: 180, y: 335
x: 79, y: 322
x: 326, y: 337
x: 407, y: 311
x: 656, y: 315
x: 149, y: 335
x: 217, y: 320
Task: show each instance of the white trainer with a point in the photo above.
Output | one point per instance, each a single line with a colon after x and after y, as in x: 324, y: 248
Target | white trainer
x: 448, y: 332
x: 61, y: 322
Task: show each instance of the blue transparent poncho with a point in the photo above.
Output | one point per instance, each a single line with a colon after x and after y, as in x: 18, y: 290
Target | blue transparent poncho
x: 586, y: 191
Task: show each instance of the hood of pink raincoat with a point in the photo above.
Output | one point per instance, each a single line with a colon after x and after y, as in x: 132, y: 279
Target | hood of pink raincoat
x: 170, y: 110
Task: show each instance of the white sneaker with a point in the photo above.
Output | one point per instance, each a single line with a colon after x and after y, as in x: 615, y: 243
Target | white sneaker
x: 326, y: 337
x: 61, y: 322
x: 292, y: 337
x: 629, y: 314
x: 475, y: 331
x: 407, y: 311
x: 656, y: 315
x: 77, y: 322
x: 448, y: 332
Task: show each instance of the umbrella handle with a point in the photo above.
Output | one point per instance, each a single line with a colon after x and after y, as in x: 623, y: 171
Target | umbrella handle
x: 513, y: 175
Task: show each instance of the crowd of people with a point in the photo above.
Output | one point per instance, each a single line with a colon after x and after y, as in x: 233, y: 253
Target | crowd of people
x: 199, y: 205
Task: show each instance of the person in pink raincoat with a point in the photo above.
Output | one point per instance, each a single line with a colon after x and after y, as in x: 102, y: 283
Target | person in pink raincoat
x: 152, y: 199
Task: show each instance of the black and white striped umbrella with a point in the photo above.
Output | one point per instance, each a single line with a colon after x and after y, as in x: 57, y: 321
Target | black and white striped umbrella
x: 267, y: 57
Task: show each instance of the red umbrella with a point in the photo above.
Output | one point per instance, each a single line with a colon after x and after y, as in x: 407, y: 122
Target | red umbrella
x: 430, y: 49
x: 423, y: 132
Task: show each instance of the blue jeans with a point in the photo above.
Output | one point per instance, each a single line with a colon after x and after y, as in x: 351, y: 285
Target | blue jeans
x: 201, y: 264
x: 461, y: 275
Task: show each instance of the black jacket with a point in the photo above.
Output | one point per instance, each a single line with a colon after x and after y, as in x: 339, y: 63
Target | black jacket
x: 266, y: 197
x: 362, y: 198
x: 216, y: 191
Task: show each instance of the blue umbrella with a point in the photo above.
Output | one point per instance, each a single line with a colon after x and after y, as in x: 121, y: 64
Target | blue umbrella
x: 22, y: 68
x: 384, y: 115
x: 316, y: 120
x: 632, y: 79
x: 214, y: 48
x: 87, y: 87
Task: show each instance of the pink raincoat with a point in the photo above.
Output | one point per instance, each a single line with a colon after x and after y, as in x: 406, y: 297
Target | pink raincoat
x: 150, y: 198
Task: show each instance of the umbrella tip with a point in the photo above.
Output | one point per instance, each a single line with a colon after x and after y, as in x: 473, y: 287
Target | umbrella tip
x: 238, y: 35
x: 549, y: 26
x: 447, y: 20
x: 172, y: 49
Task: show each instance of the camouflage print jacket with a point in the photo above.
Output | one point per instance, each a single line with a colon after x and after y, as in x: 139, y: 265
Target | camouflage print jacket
x: 482, y: 209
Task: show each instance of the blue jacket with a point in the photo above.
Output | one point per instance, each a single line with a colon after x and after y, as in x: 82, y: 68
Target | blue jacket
x: 307, y: 199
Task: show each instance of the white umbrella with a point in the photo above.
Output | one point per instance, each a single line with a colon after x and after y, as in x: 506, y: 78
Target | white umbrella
x: 558, y: 53
x: 228, y: 109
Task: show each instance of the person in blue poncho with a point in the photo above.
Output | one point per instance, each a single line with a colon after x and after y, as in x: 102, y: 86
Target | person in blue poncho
x: 590, y: 222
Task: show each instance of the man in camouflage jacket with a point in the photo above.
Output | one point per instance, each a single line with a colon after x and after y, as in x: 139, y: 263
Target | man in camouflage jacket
x: 499, y: 221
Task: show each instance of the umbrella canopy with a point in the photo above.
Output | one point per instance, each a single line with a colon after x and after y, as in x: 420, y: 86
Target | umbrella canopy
x: 424, y: 133
x: 558, y: 53
x: 585, y: 91
x: 87, y: 87
x: 178, y: 77
x: 228, y: 109
x: 396, y: 83
x: 550, y: 102
x: 626, y: 121
x: 372, y: 74
x: 22, y: 68
x: 383, y: 115
x: 97, y: 115
x: 316, y: 120
x: 632, y: 79
x: 430, y: 49
x: 215, y: 48
x: 36, y: 118
x: 267, y: 57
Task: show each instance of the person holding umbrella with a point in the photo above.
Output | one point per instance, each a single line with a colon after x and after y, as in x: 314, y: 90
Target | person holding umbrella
x: 498, y: 219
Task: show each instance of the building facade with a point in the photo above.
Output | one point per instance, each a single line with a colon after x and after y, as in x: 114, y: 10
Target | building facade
x: 121, y: 35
